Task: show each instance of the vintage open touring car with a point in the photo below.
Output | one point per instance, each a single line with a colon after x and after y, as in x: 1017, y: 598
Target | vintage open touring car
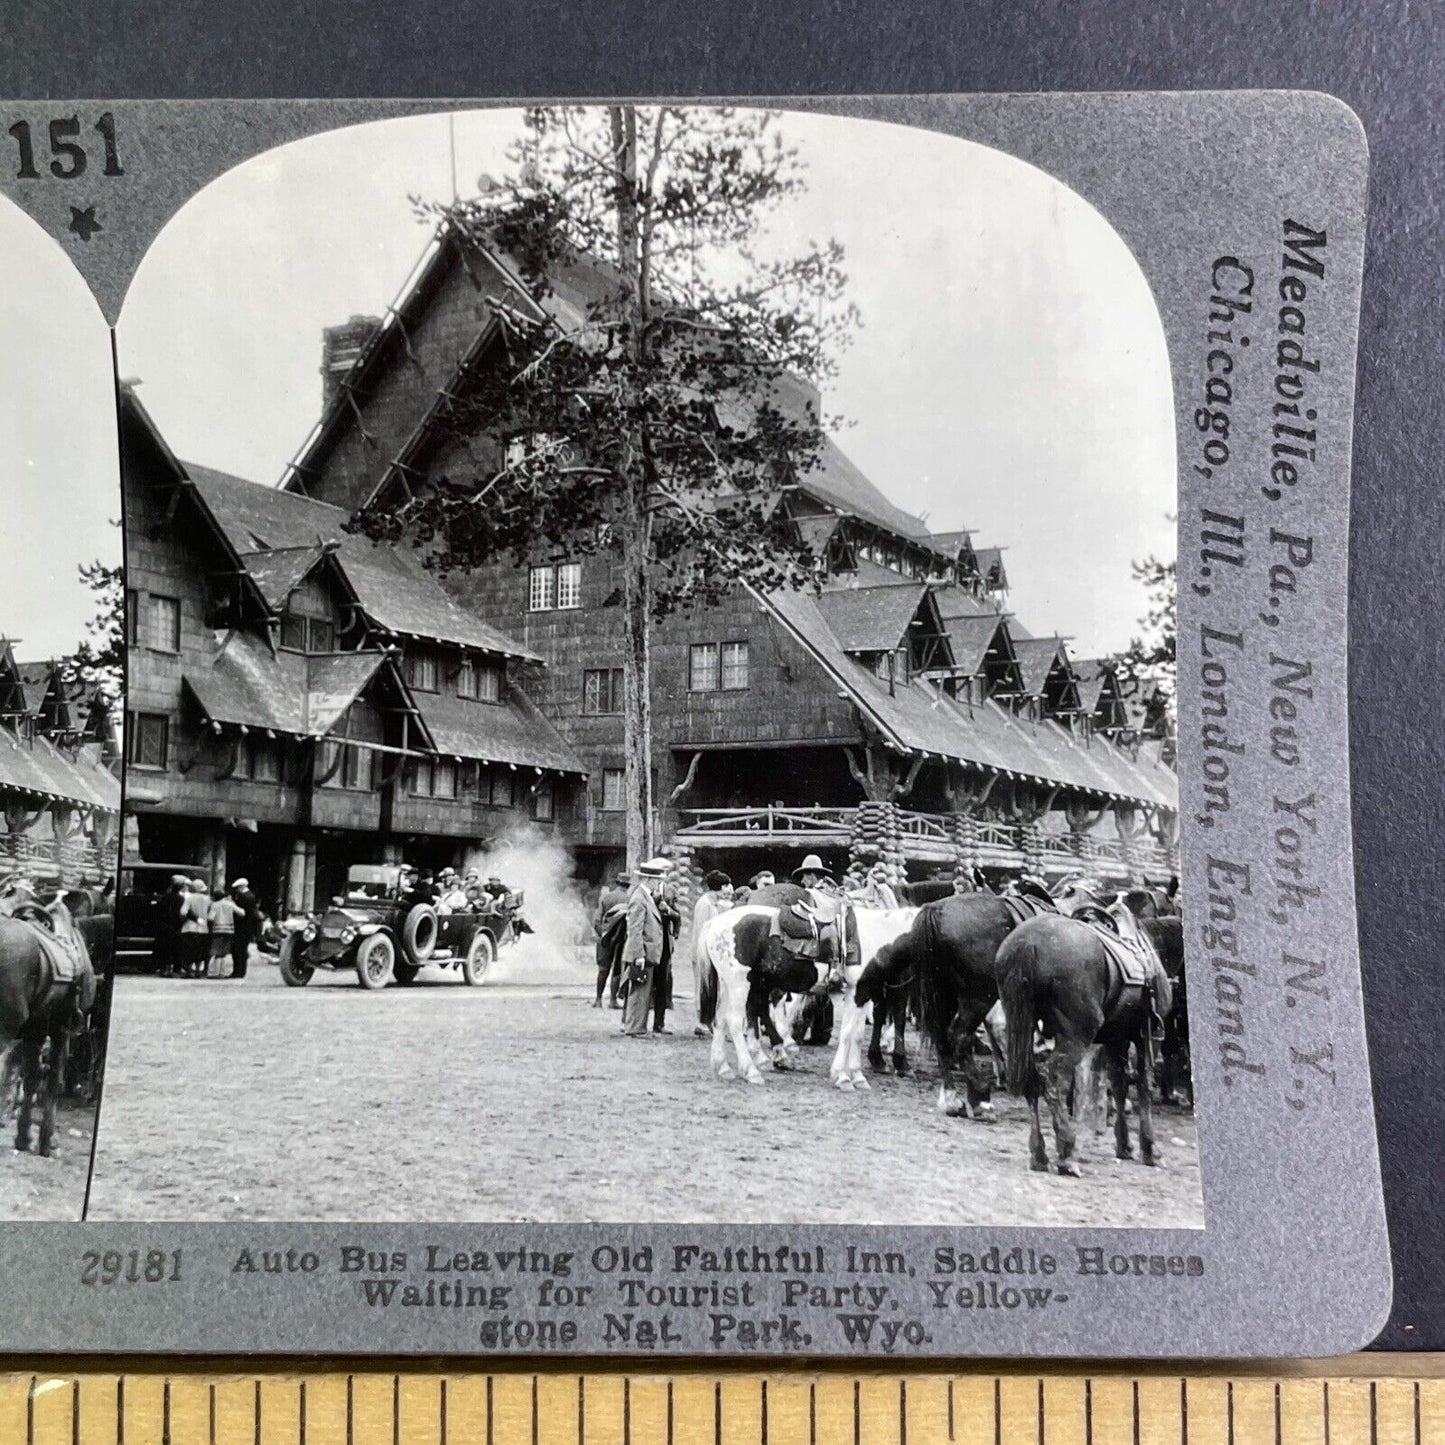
x: 386, y: 933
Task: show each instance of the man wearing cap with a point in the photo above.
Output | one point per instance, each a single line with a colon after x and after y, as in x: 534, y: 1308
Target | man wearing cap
x: 642, y: 948
x: 247, y: 926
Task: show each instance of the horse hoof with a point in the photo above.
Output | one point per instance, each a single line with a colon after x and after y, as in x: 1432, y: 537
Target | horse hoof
x: 1069, y: 1169
x: 755, y: 1078
x: 985, y: 1114
x: 726, y: 1072
x: 876, y: 1064
x: 844, y: 1083
x: 1153, y: 1161
x: 1039, y: 1166
x: 859, y: 1082
x: 1125, y: 1154
x: 900, y: 1067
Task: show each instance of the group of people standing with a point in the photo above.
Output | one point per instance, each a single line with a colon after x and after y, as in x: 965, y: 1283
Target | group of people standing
x: 202, y: 932
x: 639, y: 922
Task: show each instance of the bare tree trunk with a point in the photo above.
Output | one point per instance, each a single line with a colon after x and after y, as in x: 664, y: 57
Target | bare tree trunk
x: 636, y: 517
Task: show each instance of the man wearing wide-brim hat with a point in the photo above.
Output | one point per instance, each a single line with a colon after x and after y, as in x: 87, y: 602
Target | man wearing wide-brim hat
x: 642, y: 948
x: 810, y: 872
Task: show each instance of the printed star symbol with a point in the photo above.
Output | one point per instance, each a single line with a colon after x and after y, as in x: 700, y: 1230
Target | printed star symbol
x: 83, y: 222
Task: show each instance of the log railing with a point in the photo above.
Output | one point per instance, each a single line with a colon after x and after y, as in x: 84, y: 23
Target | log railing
x: 45, y: 857
x: 926, y: 834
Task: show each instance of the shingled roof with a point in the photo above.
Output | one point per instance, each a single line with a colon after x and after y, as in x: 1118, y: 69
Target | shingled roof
x: 917, y: 716
x: 509, y: 732
x: 392, y: 585
x: 871, y: 619
x: 39, y: 769
x: 1036, y: 658
x: 288, y: 692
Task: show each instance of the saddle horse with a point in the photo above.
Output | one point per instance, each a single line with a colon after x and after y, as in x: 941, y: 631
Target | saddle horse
x: 811, y: 944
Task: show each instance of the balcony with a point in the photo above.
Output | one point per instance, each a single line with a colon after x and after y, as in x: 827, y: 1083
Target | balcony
x: 927, y: 838
x: 45, y: 858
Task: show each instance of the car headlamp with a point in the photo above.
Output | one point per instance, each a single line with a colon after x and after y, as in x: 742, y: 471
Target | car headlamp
x: 348, y: 935
x: 309, y: 932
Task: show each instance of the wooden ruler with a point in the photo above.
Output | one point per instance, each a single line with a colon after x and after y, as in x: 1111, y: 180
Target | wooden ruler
x: 1402, y: 1400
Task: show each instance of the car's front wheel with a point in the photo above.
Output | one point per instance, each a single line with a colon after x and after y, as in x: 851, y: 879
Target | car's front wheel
x: 479, y: 958
x: 375, y: 961
x: 294, y: 973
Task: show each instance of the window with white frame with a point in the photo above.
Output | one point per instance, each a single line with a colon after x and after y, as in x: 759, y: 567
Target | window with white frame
x: 556, y: 586
x: 734, y: 665
x: 165, y: 623
x: 702, y: 667
x: 614, y: 790
x: 601, y: 691
x: 569, y: 585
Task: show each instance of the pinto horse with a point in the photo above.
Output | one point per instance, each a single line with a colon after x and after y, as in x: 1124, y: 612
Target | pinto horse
x: 1056, y: 972
x: 38, y: 1007
x: 744, y: 971
x: 944, y: 967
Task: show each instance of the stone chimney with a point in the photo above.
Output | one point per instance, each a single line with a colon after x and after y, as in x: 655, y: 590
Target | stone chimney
x: 340, y: 346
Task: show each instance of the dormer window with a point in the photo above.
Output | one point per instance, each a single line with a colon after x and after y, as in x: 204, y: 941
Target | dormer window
x: 479, y: 681
x: 309, y: 622
x: 421, y: 671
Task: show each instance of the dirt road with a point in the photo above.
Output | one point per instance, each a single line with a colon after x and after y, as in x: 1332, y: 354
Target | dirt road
x: 519, y: 1101
x: 32, y: 1188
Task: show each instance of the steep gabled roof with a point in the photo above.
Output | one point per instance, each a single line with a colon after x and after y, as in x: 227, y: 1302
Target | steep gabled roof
x: 40, y: 770
x: 871, y: 619
x: 990, y: 567
x: 280, y: 572
x: 288, y: 692
x: 512, y: 732
x: 917, y: 716
x: 392, y: 585
x: 1037, y: 657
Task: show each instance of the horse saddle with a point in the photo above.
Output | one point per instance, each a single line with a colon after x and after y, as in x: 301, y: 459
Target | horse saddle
x: 813, y: 930
x: 62, y: 946
x: 1023, y: 906
x: 1133, y: 964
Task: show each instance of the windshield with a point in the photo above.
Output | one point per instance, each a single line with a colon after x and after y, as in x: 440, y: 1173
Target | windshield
x: 367, y: 890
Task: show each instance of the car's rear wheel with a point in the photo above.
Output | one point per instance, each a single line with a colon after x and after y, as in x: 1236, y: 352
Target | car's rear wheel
x: 294, y: 973
x: 375, y: 961
x: 406, y: 972
x: 419, y: 933
x: 479, y: 958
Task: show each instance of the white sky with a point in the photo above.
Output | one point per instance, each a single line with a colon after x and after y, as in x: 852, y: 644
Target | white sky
x: 59, y: 474
x: 1010, y: 374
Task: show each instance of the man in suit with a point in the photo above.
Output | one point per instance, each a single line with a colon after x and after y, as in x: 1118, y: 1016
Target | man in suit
x: 248, y: 926
x: 642, y: 948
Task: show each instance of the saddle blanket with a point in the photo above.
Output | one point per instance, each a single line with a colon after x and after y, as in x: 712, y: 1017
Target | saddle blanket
x: 1135, y: 965
x: 67, y: 957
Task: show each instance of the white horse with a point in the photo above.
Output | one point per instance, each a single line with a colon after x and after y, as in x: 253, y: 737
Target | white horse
x: 747, y: 929
x: 876, y: 926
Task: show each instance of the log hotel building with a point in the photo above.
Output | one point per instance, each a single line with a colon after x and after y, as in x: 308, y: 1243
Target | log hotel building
x: 59, y: 783
x: 300, y: 699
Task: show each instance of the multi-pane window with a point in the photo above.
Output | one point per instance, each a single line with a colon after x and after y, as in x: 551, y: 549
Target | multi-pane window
x: 614, y: 790
x: 165, y: 623
x: 489, y: 682
x: 601, y: 691
x: 148, y: 739
x: 543, y: 802
x: 308, y: 624
x: 557, y: 586
x: 569, y: 585
x: 702, y: 667
x: 734, y: 664
x: 421, y: 671
x: 542, y: 594
x: 467, y: 678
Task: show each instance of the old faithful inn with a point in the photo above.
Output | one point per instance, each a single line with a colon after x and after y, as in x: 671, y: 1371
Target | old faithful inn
x: 300, y: 699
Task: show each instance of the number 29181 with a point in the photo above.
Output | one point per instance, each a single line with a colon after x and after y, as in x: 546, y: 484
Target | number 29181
x: 68, y: 155
x: 130, y: 1266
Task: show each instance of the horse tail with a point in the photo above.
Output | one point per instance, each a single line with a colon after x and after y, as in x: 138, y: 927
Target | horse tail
x: 1016, y: 993
x: 707, y: 1003
x: 926, y: 1000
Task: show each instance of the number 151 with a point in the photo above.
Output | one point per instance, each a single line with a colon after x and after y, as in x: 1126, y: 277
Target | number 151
x: 68, y: 155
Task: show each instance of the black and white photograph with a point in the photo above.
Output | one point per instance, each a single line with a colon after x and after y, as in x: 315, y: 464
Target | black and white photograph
x: 650, y: 687
x: 61, y: 680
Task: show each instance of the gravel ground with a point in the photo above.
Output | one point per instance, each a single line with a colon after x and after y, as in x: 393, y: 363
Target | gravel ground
x: 517, y: 1101
x: 32, y: 1188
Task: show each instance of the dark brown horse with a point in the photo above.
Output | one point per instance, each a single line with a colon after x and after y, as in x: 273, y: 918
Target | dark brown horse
x: 38, y: 1008
x: 944, y: 967
x: 1167, y: 936
x: 1055, y: 972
